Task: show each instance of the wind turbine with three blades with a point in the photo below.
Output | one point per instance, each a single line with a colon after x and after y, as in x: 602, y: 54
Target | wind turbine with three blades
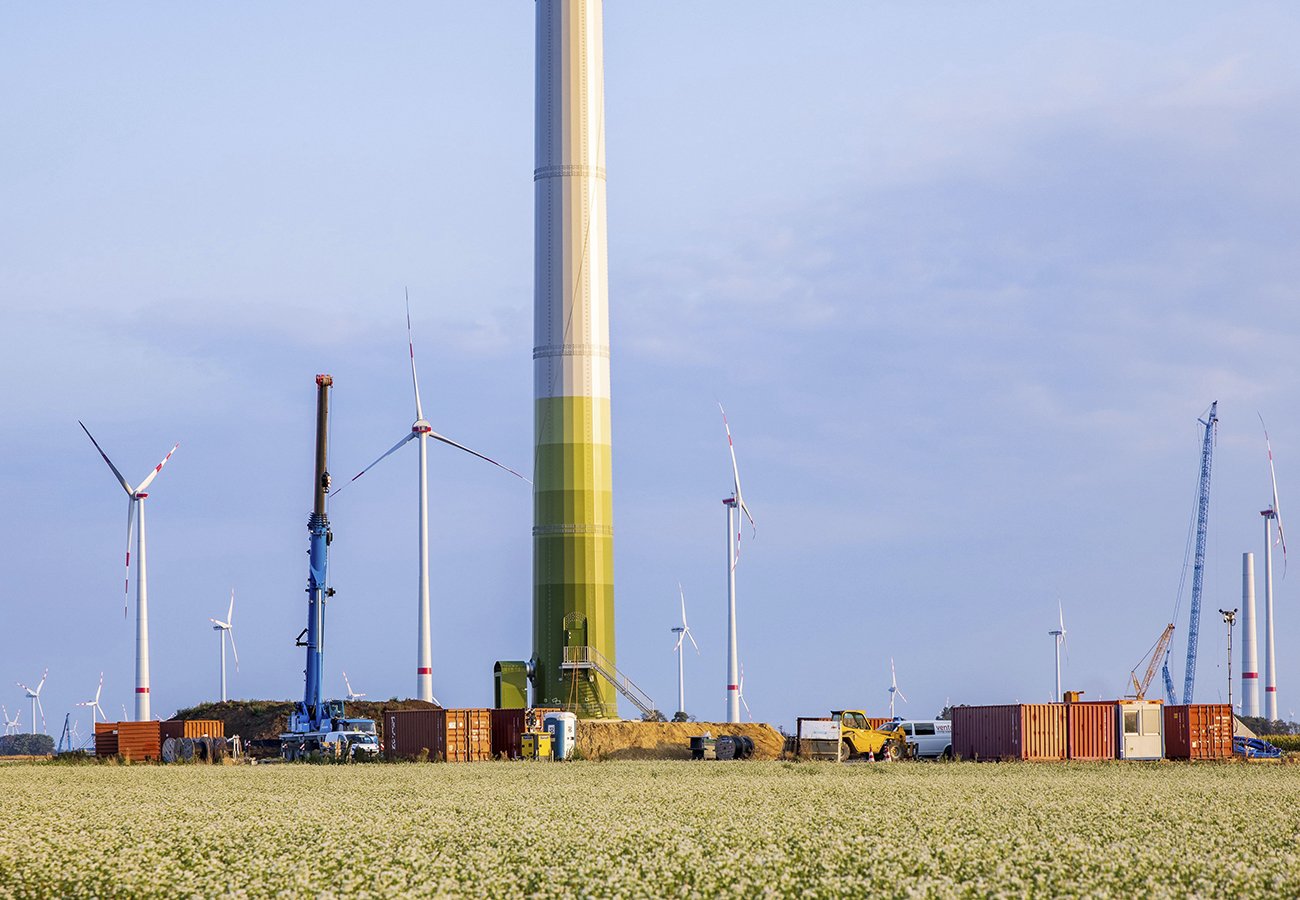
x: 352, y: 695
x: 893, y: 688
x: 735, y: 505
x: 135, y: 505
x: 683, y: 631
x: 11, y: 725
x: 1274, y: 512
x: 94, y: 704
x: 422, y: 430
x: 1058, y: 634
x: 226, y: 627
x: 35, y: 697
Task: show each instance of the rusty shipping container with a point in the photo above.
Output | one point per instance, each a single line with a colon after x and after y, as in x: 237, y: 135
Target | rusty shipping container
x: 1198, y: 731
x: 469, y: 735
x: 507, y: 730
x: 193, y: 728
x: 1028, y: 731
x: 875, y: 722
x: 105, y: 739
x: 1092, y: 730
x: 139, y: 741
x: 410, y: 732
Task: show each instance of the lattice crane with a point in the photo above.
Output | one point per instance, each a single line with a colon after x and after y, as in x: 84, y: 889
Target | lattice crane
x: 1157, y: 654
x: 1198, y: 569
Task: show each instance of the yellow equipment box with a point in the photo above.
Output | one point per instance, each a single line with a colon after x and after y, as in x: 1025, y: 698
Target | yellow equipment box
x: 535, y: 745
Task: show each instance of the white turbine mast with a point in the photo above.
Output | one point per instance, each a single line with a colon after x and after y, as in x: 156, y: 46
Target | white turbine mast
x: 893, y: 688
x: 94, y: 703
x: 735, y: 506
x: 422, y: 430
x: 135, y: 506
x: 1058, y: 636
x: 683, y: 631
x: 1274, y: 512
x: 226, y: 627
x: 352, y: 695
x: 34, y: 695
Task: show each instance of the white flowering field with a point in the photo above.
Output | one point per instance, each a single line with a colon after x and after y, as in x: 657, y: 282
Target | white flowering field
x: 650, y: 829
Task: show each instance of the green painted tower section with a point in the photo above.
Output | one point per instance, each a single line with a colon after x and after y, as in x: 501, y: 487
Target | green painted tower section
x: 573, y: 523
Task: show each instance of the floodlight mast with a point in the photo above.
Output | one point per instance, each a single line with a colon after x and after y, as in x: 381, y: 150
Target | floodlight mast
x: 1229, y: 618
x: 318, y: 525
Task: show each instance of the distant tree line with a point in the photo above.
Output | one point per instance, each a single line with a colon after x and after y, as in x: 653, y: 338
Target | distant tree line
x: 26, y: 745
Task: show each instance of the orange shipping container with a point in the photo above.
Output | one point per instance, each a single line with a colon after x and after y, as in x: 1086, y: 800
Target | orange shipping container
x: 1029, y: 731
x: 193, y: 728
x: 1092, y: 730
x: 1198, y: 731
x: 469, y: 735
x: 105, y: 739
x: 139, y: 740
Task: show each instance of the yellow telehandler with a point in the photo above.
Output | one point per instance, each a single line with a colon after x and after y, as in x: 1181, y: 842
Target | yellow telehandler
x: 858, y: 738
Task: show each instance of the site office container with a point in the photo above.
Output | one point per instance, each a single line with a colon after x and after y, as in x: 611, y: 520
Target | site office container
x: 105, y: 739
x: 1198, y: 731
x: 469, y: 735
x: 1092, y: 730
x: 138, y: 741
x: 507, y: 730
x: 193, y: 728
x: 1028, y: 731
x: 1141, y: 731
x: 408, y: 732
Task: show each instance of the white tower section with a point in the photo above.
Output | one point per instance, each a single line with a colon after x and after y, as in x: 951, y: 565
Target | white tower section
x: 1249, y: 652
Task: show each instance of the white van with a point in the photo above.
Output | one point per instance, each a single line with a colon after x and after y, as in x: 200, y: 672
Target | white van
x: 928, y: 739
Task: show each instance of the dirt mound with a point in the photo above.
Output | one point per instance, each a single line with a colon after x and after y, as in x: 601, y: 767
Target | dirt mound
x: 666, y: 740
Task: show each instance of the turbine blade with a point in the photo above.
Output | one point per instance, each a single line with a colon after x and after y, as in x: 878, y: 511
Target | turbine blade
x: 41, y: 683
x: 904, y: 696
x: 735, y: 470
x: 677, y: 648
x: 389, y: 452
x: 1277, y: 510
x: 230, y: 613
x: 410, y: 343
x: 682, y: 594
x: 217, y: 622
x: 450, y: 442
x: 126, y: 487
x: 233, y: 648
x: 156, y: 469
x: 687, y: 632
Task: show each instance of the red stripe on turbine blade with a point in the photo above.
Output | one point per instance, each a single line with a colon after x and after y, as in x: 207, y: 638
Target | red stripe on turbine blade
x: 142, y: 690
x: 423, y: 670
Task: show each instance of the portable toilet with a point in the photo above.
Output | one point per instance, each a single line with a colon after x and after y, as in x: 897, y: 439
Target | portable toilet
x: 563, y: 727
x: 1141, y: 729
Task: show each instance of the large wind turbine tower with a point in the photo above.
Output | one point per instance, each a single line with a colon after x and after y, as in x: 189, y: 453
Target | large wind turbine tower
x: 573, y: 534
x: 1249, y: 652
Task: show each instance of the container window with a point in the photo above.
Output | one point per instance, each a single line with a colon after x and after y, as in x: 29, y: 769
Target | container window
x: 1131, y: 721
x: 1151, y: 721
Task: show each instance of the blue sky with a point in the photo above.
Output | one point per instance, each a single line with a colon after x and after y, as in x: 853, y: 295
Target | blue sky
x: 963, y: 276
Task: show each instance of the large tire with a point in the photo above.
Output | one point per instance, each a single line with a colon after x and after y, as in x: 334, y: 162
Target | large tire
x: 846, y: 750
x: 947, y: 754
x: 891, y: 751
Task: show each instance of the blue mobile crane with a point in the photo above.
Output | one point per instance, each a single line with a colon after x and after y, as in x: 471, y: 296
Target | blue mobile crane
x: 319, y: 726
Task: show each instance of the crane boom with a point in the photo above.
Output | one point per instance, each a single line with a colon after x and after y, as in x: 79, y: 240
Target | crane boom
x: 1198, y: 569
x: 1157, y: 654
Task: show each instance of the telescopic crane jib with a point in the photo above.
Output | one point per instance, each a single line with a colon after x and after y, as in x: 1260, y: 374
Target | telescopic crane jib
x: 318, y: 525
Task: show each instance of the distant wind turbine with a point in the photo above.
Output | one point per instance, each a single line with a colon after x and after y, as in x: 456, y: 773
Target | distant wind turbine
x: 735, y: 505
x: 135, y: 504
x: 35, y: 697
x: 893, y: 688
x: 352, y: 695
x: 422, y: 430
x: 95, y: 708
x: 682, y: 632
x: 226, y: 627
x: 1058, y: 635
